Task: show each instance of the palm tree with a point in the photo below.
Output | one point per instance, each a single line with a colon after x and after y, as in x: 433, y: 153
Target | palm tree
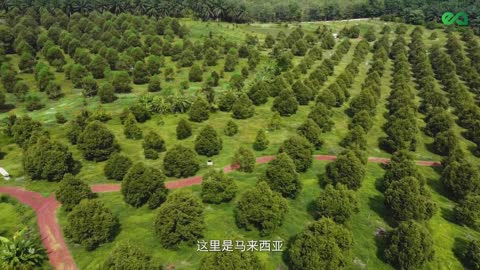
x: 152, y: 8
x: 4, y: 5
x: 82, y: 6
x: 20, y: 252
x: 116, y: 6
x: 180, y: 103
x: 140, y: 7
x: 68, y: 6
x: 19, y: 4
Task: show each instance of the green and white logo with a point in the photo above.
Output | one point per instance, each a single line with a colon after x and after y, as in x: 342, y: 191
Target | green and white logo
x: 461, y: 18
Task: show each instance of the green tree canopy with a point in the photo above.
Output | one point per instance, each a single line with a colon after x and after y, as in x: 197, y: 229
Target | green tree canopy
x: 195, y: 74
x: 229, y: 260
x: 299, y: 150
x: 106, y: 93
x: 97, y: 142
x: 226, y: 101
x: 461, y: 178
x: 467, y: 211
x: 200, y: 110
x: 231, y: 128
x: 409, y: 246
x: 261, y: 208
x: 143, y: 184
x: 309, y: 247
x: 208, y: 142
x: 282, y: 177
x: 321, y: 115
x: 310, y: 130
x: 179, y: 219
x: 72, y: 191
x: 131, y: 128
x: 117, y: 166
x: 285, y: 103
x: 155, y: 84
x: 347, y: 169
x: 121, y: 82
x: 245, y: 159
x: 217, y: 187
x: 400, y: 166
x: 258, y: 93
x: 90, y: 224
x: 302, y: 93
x: 184, y: 129
x: 408, y: 199
x: 243, y: 107
x: 336, y: 202
x: 97, y: 66
x: 180, y: 161
x: 23, y: 128
x: 445, y: 142
x: 153, y: 141
x: 471, y: 255
x: 140, y: 73
x: 127, y: 255
x: 261, y: 141
x: 49, y: 160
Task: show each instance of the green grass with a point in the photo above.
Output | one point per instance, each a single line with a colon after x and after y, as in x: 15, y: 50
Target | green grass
x: 15, y: 217
x: 137, y: 224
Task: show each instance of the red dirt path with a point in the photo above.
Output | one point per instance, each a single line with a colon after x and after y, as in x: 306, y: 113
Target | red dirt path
x: 45, y: 208
x: 52, y: 238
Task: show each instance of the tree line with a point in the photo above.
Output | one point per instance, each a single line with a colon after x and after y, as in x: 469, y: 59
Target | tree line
x: 410, y: 11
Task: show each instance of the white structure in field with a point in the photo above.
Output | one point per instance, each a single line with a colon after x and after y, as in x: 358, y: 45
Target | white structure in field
x: 4, y: 173
x: 209, y: 162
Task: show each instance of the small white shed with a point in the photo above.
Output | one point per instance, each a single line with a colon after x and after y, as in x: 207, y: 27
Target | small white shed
x: 4, y: 173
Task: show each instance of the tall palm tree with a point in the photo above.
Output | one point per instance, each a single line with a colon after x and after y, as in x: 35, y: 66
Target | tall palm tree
x: 152, y: 8
x: 83, y: 6
x: 140, y: 7
x: 19, y: 4
x: 68, y: 7
x: 117, y: 6
x: 3, y: 5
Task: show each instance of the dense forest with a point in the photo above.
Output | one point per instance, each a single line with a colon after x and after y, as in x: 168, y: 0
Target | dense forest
x: 410, y: 11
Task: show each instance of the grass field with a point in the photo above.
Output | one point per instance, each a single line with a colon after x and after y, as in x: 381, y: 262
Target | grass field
x: 136, y: 224
x: 15, y: 217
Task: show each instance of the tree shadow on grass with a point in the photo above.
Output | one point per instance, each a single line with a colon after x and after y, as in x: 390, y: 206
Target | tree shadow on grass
x: 376, y: 203
x: 458, y: 249
x: 322, y: 180
x: 285, y: 255
x: 437, y: 186
x: 380, y: 243
x: 379, y: 185
x: 6, y: 108
x: 116, y: 231
x: 311, y: 208
x: 448, y: 214
x: 474, y: 150
x: 430, y: 148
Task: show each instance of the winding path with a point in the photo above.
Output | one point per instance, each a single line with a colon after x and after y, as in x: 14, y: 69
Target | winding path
x: 46, y: 208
